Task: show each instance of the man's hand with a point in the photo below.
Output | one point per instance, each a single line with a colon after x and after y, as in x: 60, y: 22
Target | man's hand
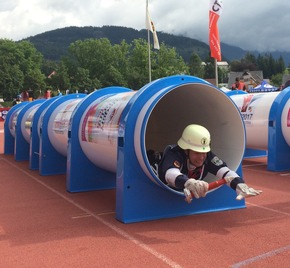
x: 197, y: 187
x: 243, y: 191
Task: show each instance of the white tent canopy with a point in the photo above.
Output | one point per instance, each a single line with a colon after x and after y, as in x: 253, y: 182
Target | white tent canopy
x: 264, y: 87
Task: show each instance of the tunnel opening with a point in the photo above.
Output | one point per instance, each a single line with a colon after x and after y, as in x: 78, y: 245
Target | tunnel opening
x: 193, y: 103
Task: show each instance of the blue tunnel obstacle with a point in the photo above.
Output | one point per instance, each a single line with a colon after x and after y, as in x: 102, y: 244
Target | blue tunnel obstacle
x: 101, y: 141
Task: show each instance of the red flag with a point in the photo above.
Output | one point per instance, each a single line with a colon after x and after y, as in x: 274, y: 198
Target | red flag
x: 215, y: 9
x: 150, y: 26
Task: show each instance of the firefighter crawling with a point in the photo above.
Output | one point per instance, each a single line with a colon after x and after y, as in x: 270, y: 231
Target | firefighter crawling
x: 185, y: 165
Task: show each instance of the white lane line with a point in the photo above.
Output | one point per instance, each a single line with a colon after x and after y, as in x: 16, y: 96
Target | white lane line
x: 269, y: 209
x: 261, y: 257
x: 113, y: 227
x: 267, y: 254
x: 89, y: 215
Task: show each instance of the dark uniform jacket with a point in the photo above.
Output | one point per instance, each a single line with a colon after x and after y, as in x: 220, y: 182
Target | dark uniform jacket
x: 175, y: 157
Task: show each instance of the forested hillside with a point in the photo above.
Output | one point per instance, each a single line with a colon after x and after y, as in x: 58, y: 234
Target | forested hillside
x: 54, y: 44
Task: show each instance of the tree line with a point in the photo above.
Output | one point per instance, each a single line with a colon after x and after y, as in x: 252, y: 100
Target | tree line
x: 96, y: 63
x: 272, y: 69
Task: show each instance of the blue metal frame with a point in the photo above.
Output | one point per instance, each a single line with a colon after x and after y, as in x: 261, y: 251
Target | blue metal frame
x: 35, y: 138
x: 82, y: 174
x: 21, y: 145
x: 252, y: 153
x: 138, y: 198
x: 9, y: 140
x: 278, y: 149
x: 51, y: 162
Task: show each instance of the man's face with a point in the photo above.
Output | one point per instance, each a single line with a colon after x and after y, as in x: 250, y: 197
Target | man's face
x: 196, y: 158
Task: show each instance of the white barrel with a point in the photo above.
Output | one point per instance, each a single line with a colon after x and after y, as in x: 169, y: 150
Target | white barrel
x: 285, y: 119
x: 255, y: 109
x: 13, y: 121
x: 155, y: 116
x: 98, y: 131
x: 26, y: 122
x: 58, y: 124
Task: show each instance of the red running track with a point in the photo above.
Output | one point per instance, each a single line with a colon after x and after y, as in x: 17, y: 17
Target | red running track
x: 42, y: 225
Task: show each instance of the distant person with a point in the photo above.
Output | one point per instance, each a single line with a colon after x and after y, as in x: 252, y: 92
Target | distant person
x: 16, y: 101
x: 239, y: 85
x: 25, y: 95
x: 59, y: 93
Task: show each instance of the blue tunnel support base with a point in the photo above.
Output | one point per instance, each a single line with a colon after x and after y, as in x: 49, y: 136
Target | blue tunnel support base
x: 82, y: 174
x: 9, y: 140
x: 278, y: 149
x: 252, y: 153
x: 140, y: 199
x: 51, y: 162
x: 21, y: 145
x: 34, y: 141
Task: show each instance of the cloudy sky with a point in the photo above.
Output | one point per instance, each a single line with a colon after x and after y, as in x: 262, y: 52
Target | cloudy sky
x: 250, y: 24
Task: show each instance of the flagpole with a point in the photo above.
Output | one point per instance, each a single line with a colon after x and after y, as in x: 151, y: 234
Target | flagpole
x: 215, y: 9
x: 216, y: 73
x: 149, y: 54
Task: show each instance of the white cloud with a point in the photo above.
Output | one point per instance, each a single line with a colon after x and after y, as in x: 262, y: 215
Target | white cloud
x: 251, y: 25
x: 7, y: 5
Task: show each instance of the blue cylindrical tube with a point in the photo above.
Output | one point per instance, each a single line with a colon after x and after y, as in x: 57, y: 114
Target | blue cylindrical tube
x: 155, y: 116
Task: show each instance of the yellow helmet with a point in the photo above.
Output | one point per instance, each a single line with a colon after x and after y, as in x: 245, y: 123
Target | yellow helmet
x: 195, y: 138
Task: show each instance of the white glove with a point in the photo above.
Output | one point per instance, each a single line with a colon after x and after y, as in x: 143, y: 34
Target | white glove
x: 197, y: 187
x: 243, y: 190
x: 229, y: 179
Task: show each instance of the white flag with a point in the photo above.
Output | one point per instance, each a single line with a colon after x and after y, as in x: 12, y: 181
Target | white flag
x: 150, y: 26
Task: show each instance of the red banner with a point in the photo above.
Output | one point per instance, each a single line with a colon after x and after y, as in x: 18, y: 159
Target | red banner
x: 215, y: 10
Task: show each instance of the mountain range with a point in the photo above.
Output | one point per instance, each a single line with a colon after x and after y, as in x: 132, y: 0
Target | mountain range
x: 54, y: 44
